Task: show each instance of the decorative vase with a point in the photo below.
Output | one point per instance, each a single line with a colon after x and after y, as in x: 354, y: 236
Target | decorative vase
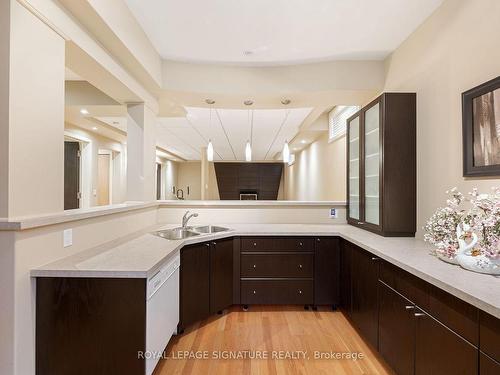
x: 468, y: 260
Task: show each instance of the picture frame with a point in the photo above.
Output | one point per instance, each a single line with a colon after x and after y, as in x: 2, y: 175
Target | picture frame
x: 481, y: 130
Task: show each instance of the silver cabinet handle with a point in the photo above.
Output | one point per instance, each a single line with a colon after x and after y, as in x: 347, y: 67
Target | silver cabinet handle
x: 409, y: 307
x: 318, y: 239
x: 254, y: 292
x: 375, y: 258
x: 207, y: 245
x: 419, y: 314
x: 255, y: 243
x: 360, y: 223
x: 300, y: 266
x: 254, y: 266
x: 300, y: 243
x: 300, y: 291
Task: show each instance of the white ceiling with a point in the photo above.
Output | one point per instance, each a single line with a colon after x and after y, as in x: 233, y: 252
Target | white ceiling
x: 229, y: 132
x: 278, y: 31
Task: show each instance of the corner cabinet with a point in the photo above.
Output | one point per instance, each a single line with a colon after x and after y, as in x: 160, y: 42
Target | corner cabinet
x: 381, y: 168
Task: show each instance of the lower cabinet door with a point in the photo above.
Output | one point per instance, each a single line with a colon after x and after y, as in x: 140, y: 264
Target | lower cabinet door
x: 345, y: 277
x: 221, y: 275
x: 364, y: 299
x: 396, y: 338
x: 488, y: 366
x: 326, y: 271
x: 440, y: 351
x: 195, y: 283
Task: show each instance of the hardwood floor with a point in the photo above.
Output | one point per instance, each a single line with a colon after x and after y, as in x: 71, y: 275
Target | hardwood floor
x: 267, y: 330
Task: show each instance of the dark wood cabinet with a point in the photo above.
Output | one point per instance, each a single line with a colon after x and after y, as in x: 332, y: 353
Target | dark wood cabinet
x: 381, y: 168
x: 396, y: 340
x: 277, y: 270
x: 206, y: 282
x: 364, y: 296
x: 194, y: 284
x: 345, y: 277
x: 440, y: 351
x: 326, y: 271
x: 221, y: 275
x: 487, y: 365
x: 489, y: 333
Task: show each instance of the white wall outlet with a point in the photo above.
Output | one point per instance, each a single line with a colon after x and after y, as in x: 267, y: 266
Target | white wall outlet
x: 333, y: 213
x: 68, y: 237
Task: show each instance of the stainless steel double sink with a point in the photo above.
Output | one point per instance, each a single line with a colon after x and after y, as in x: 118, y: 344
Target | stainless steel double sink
x: 181, y: 233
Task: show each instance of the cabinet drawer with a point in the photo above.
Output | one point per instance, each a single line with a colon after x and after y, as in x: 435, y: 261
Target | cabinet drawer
x: 277, y: 265
x: 277, y: 292
x: 277, y: 244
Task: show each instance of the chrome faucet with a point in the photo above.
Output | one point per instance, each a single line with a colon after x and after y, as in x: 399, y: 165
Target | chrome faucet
x: 187, y: 216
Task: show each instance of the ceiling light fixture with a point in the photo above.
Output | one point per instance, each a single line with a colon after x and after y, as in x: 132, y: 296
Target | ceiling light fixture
x: 210, y: 147
x: 303, y: 141
x: 210, y: 101
x: 84, y: 111
x: 248, y: 102
x: 94, y: 128
x: 286, y: 153
x: 285, y: 101
x: 248, y: 147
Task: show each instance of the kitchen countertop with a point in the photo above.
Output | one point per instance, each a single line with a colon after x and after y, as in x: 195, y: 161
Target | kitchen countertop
x: 142, y: 254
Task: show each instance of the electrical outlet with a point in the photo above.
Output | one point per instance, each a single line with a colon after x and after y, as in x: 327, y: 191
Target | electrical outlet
x: 68, y: 237
x: 333, y: 213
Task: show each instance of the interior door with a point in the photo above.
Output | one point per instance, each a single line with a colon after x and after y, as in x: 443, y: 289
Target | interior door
x: 354, y: 156
x: 103, y: 171
x: 372, y: 164
x: 71, y: 175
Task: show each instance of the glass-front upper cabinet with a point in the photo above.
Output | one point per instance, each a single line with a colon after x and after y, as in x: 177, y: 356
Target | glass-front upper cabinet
x: 381, y: 166
x: 372, y: 159
x: 354, y: 127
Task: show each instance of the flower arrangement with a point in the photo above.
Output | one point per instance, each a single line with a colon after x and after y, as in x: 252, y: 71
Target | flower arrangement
x: 468, y: 236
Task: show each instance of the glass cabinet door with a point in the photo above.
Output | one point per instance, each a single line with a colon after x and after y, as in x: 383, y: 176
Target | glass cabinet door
x: 372, y: 165
x: 354, y: 168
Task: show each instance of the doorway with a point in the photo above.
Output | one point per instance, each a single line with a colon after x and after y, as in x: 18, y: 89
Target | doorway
x: 158, y: 181
x: 71, y: 175
x: 103, y: 179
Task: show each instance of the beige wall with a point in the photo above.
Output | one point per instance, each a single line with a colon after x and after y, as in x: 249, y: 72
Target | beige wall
x: 456, y: 49
x: 319, y: 172
x: 36, y: 116
x: 170, y: 175
x: 4, y: 106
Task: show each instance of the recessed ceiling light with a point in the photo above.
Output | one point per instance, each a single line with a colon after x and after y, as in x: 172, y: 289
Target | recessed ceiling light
x: 115, y: 122
x: 248, y: 102
x: 285, y: 101
x: 210, y: 101
x: 84, y: 111
x: 248, y: 53
x: 303, y: 141
x: 94, y: 128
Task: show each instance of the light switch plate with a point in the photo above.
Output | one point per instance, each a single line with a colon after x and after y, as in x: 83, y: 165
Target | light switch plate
x: 68, y: 237
x: 333, y: 213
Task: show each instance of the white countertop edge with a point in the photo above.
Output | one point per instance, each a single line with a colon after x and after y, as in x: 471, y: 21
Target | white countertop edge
x: 213, y: 203
x: 481, y: 304
x: 31, y: 222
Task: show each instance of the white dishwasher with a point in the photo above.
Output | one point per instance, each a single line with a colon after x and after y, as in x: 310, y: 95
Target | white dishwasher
x: 162, y: 311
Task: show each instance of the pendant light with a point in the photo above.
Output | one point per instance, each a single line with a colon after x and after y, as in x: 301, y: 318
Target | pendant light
x: 286, y: 153
x: 248, y: 147
x: 210, y: 147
